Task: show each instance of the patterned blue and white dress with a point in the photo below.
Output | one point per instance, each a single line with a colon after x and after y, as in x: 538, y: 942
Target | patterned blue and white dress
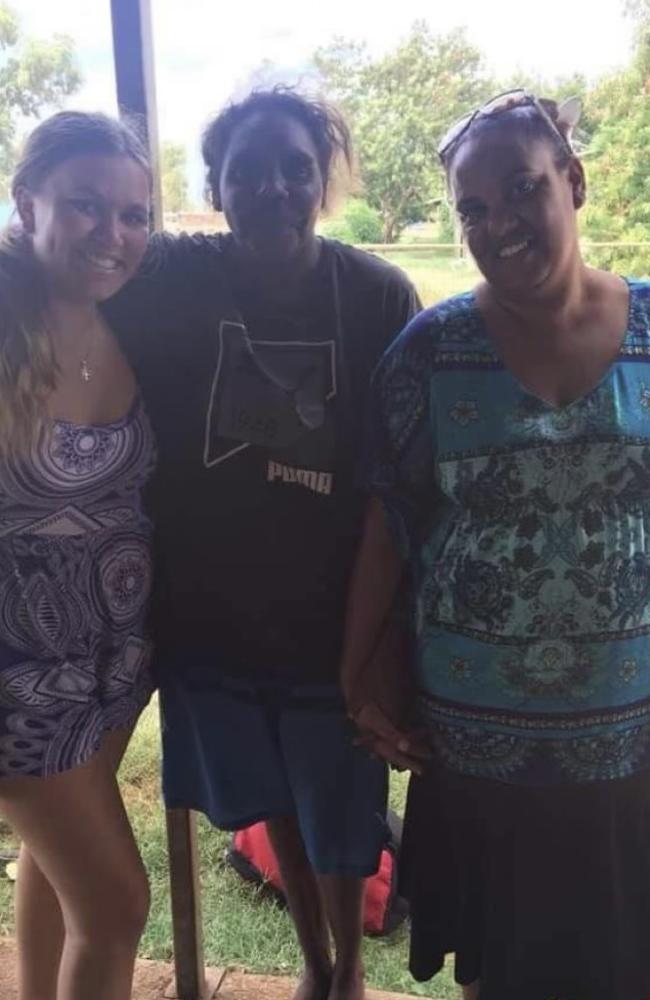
x: 75, y: 574
x: 529, y: 531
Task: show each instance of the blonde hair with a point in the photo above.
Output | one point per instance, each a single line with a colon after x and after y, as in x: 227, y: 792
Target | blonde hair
x: 28, y: 369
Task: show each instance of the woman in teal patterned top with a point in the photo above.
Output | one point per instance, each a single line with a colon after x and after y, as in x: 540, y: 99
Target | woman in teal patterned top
x: 512, y: 454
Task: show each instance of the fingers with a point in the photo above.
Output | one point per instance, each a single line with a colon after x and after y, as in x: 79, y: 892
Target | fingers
x: 370, y: 718
x: 396, y: 757
x: 402, y: 749
x: 373, y: 719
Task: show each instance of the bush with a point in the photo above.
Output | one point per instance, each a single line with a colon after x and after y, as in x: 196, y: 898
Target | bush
x: 359, y: 222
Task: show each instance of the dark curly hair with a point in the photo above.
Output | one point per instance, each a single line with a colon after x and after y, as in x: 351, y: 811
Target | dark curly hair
x: 325, y: 125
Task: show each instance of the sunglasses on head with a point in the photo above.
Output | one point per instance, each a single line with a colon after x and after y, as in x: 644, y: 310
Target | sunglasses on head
x: 508, y: 101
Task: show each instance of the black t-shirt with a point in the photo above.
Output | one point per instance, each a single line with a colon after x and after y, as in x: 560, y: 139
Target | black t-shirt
x: 258, y: 416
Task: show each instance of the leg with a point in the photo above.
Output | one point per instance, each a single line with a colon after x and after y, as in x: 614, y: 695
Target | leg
x: 39, y: 921
x: 76, y: 830
x: 344, y: 904
x: 306, y: 907
x: 39, y: 931
x: 471, y: 992
x: 340, y: 795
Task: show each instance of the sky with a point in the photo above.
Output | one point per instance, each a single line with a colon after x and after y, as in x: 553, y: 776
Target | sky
x: 206, y: 50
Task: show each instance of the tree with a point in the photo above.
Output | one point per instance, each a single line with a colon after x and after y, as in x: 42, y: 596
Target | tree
x: 619, y: 181
x: 35, y: 76
x: 399, y: 106
x: 359, y: 222
x: 173, y: 176
x: 575, y: 85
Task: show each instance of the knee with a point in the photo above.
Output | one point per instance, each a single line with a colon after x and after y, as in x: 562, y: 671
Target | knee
x: 132, y: 909
x: 117, y: 919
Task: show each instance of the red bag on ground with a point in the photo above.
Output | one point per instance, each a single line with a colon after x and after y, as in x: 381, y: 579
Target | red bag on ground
x: 252, y: 856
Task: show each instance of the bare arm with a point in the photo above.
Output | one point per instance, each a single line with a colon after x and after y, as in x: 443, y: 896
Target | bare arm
x: 376, y: 674
x: 373, y: 588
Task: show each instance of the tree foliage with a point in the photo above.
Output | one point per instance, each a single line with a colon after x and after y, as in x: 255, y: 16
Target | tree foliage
x: 359, y: 222
x: 35, y: 76
x: 399, y: 106
x: 173, y: 176
x: 617, y: 163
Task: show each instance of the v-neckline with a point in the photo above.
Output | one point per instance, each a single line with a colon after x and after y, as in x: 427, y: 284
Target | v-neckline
x: 526, y: 391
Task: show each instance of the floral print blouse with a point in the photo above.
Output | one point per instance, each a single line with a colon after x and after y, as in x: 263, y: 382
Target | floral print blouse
x: 527, y: 526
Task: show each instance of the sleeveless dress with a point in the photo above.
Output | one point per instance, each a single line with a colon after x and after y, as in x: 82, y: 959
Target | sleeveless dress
x: 75, y: 575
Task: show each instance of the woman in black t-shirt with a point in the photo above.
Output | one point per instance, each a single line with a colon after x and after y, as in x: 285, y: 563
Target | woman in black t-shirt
x: 254, y: 351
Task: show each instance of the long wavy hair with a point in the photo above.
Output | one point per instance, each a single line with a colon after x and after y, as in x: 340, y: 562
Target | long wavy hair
x: 28, y: 369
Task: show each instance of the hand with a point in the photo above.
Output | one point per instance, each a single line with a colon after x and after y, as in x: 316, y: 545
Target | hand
x: 404, y: 750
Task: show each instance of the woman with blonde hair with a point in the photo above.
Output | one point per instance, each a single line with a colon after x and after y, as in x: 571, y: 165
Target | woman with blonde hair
x: 75, y: 451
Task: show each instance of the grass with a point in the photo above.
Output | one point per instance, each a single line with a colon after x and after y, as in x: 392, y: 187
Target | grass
x: 436, y: 274
x: 242, y: 928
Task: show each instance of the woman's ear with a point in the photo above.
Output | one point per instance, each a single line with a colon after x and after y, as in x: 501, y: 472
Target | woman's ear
x: 25, y: 208
x: 578, y: 182
x: 211, y: 190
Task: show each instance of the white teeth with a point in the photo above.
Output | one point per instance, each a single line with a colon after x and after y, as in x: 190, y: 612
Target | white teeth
x: 104, y: 263
x: 513, y: 249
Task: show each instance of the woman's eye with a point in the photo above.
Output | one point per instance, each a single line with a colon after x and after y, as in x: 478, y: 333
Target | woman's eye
x: 243, y: 173
x: 85, y: 206
x: 299, y: 170
x: 524, y: 187
x: 136, y: 219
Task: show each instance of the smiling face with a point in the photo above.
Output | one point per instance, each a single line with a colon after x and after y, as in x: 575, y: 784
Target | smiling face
x: 271, y: 189
x: 517, y: 208
x: 88, y: 221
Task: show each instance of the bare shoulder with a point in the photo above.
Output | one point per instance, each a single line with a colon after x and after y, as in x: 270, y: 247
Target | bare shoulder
x: 607, y: 289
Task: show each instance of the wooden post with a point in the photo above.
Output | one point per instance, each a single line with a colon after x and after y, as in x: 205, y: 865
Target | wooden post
x: 136, y: 96
x: 191, y: 982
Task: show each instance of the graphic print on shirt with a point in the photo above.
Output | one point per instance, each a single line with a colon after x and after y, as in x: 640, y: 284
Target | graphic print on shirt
x: 273, y: 394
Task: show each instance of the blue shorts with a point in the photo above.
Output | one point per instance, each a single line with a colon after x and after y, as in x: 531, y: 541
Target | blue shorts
x: 243, y: 752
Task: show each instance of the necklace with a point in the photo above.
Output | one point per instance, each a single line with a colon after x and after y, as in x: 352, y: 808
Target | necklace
x: 85, y: 371
x: 82, y: 360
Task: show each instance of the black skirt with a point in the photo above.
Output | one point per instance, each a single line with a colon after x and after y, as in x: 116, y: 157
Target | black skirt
x: 541, y: 893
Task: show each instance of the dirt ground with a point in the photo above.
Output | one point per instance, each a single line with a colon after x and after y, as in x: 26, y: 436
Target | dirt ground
x: 153, y: 978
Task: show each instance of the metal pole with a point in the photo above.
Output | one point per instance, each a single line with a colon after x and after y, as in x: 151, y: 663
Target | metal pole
x: 135, y: 79
x: 136, y: 96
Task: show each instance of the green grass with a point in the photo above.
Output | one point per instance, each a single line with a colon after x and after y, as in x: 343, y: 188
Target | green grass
x: 242, y: 928
x: 435, y: 274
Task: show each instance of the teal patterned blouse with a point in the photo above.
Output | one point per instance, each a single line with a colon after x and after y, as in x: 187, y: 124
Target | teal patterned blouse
x: 528, y: 529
